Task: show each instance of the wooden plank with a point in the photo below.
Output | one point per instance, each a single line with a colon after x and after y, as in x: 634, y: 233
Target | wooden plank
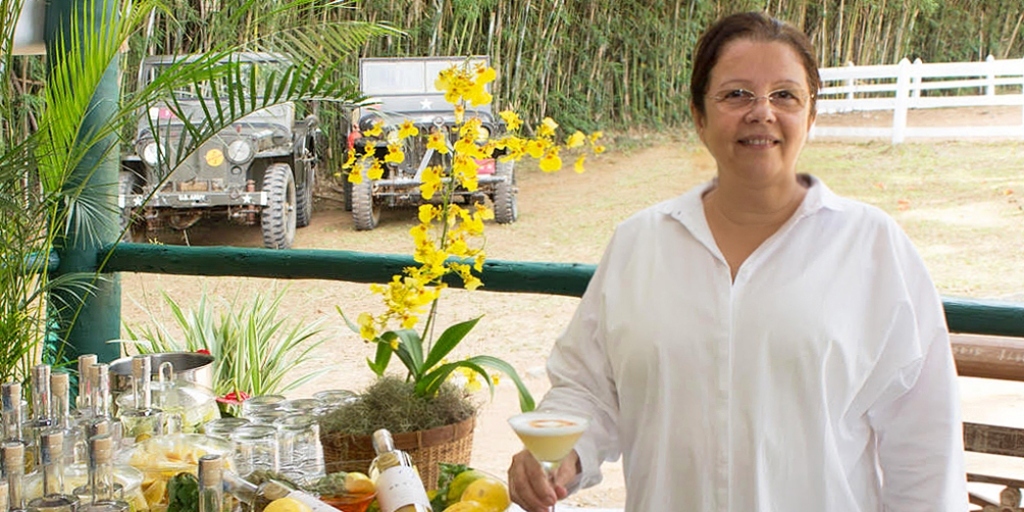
x: 993, y: 439
x: 989, y: 357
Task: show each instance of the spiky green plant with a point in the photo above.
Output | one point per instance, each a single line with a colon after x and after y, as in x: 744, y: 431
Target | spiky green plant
x: 253, y: 350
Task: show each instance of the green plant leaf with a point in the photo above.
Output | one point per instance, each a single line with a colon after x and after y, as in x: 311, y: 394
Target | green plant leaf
x: 449, y: 339
x: 411, y: 343
x: 526, y: 402
x: 383, y: 356
x: 352, y: 326
x: 432, y: 381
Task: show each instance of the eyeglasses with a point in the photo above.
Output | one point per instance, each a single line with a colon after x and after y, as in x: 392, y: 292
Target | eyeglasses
x: 782, y: 100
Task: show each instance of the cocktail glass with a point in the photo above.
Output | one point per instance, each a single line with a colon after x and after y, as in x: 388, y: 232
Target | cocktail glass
x: 549, y: 435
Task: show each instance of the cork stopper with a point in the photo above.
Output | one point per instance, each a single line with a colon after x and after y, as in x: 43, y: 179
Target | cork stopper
x: 142, y: 367
x: 10, y: 395
x: 99, y: 427
x: 85, y: 361
x: 382, y: 441
x: 5, y: 500
x: 210, y: 470
x: 51, y: 446
x: 13, y: 454
x: 101, y: 449
x: 60, y: 383
x: 41, y: 374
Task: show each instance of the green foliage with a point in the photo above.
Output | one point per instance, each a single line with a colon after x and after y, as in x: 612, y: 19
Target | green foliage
x: 253, y: 350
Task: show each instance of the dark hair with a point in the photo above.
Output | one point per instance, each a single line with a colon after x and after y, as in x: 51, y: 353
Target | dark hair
x: 756, y: 26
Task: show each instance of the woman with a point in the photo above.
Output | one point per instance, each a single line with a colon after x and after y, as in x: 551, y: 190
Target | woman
x: 759, y: 343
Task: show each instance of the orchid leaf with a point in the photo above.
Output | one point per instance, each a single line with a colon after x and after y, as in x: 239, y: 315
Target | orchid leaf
x: 449, y: 339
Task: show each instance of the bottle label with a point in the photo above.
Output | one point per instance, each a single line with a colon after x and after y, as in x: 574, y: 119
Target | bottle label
x: 311, y: 501
x: 400, y: 486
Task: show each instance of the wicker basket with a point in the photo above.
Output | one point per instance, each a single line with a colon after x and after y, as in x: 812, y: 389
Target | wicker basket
x: 450, y: 443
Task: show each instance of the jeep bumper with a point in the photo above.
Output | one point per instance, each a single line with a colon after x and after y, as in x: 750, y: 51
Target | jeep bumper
x: 192, y: 199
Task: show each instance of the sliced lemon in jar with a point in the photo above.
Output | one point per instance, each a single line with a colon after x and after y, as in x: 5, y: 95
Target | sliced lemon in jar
x: 358, y: 483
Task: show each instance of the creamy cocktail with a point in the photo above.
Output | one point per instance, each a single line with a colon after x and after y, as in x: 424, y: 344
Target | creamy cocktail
x: 549, y: 436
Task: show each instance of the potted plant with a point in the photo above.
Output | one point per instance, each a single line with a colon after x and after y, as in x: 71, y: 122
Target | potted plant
x: 429, y: 416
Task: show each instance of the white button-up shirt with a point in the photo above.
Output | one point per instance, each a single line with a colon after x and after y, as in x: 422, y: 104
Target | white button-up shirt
x: 820, y: 380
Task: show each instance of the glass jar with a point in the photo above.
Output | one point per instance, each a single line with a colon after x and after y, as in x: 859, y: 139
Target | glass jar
x: 256, y: 448
x: 302, y: 455
x: 261, y: 403
x: 301, y: 405
x: 267, y: 417
x: 223, y: 427
x: 331, y: 399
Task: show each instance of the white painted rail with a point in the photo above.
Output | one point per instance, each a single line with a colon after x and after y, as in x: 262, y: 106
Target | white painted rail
x: 905, y: 86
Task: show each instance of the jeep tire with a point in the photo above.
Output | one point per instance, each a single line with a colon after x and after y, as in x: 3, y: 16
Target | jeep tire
x: 506, y: 210
x: 304, y: 190
x: 365, y: 210
x: 277, y: 219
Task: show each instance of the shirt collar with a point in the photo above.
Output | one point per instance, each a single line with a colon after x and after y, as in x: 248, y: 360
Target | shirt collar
x: 689, y: 207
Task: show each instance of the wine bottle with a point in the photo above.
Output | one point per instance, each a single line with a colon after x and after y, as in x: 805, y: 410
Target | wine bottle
x: 257, y: 497
x: 142, y: 420
x: 60, y: 388
x: 83, y: 404
x: 12, y: 454
x: 51, y: 451
x: 211, y: 483
x: 399, y: 488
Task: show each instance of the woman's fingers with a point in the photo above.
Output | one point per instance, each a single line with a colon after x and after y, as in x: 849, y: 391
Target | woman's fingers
x: 529, y: 486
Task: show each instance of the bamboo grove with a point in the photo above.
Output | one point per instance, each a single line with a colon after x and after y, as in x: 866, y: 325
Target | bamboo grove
x: 607, y: 63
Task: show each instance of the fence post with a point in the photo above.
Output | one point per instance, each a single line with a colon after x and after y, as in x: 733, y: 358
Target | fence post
x: 915, y: 79
x: 899, y: 113
x: 849, y: 85
x: 990, y: 88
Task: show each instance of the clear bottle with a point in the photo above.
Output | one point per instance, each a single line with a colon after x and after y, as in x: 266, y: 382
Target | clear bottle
x: 142, y: 420
x: 41, y: 419
x: 211, y: 483
x: 83, y: 404
x: 12, y: 454
x: 101, y: 493
x: 257, y: 497
x: 51, y: 450
x: 60, y: 388
x: 399, y: 488
x: 14, y: 421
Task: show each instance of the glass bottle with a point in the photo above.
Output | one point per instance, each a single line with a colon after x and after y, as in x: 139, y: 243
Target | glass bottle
x: 60, y: 388
x: 10, y: 402
x: 258, y: 497
x: 211, y: 484
x: 51, y: 450
x: 99, y: 375
x: 399, y: 488
x: 83, y: 404
x: 40, y: 420
x: 142, y: 420
x: 101, y: 494
x: 12, y: 454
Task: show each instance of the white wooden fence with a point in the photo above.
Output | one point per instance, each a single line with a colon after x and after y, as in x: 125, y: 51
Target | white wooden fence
x: 906, y: 86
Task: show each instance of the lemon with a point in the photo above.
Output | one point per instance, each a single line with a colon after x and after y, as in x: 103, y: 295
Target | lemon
x: 460, y: 482
x: 466, y: 506
x: 155, y: 492
x: 287, y: 504
x: 358, y: 483
x: 489, y: 492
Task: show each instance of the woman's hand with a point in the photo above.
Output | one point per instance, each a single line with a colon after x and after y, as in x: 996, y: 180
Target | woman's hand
x: 530, y: 487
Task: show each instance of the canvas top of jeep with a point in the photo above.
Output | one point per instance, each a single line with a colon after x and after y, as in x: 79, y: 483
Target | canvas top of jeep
x: 403, y: 88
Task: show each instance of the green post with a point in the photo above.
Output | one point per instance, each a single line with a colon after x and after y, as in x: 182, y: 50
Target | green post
x: 85, y: 327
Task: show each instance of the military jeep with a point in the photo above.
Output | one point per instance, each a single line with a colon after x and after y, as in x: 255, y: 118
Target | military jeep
x: 260, y: 170
x: 403, y: 89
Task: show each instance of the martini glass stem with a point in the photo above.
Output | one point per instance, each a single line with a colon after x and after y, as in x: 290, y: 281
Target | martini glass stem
x: 549, y: 470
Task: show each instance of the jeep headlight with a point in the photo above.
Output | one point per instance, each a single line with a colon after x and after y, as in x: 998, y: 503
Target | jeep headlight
x: 240, y: 151
x: 482, y: 134
x: 151, y: 154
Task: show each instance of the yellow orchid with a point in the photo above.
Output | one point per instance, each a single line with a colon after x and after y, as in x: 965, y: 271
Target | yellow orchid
x: 376, y: 130
x: 448, y: 239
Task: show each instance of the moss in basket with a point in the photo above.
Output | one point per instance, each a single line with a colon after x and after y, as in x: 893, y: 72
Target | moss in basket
x: 391, y: 403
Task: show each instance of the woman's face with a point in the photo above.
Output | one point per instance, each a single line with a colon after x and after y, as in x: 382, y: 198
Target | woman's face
x: 760, y: 139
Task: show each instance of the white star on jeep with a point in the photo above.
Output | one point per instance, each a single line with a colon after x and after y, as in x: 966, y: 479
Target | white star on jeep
x: 425, y: 104
x: 137, y: 201
x: 246, y: 199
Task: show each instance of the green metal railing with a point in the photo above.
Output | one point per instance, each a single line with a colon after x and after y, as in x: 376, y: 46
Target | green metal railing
x: 567, y: 279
